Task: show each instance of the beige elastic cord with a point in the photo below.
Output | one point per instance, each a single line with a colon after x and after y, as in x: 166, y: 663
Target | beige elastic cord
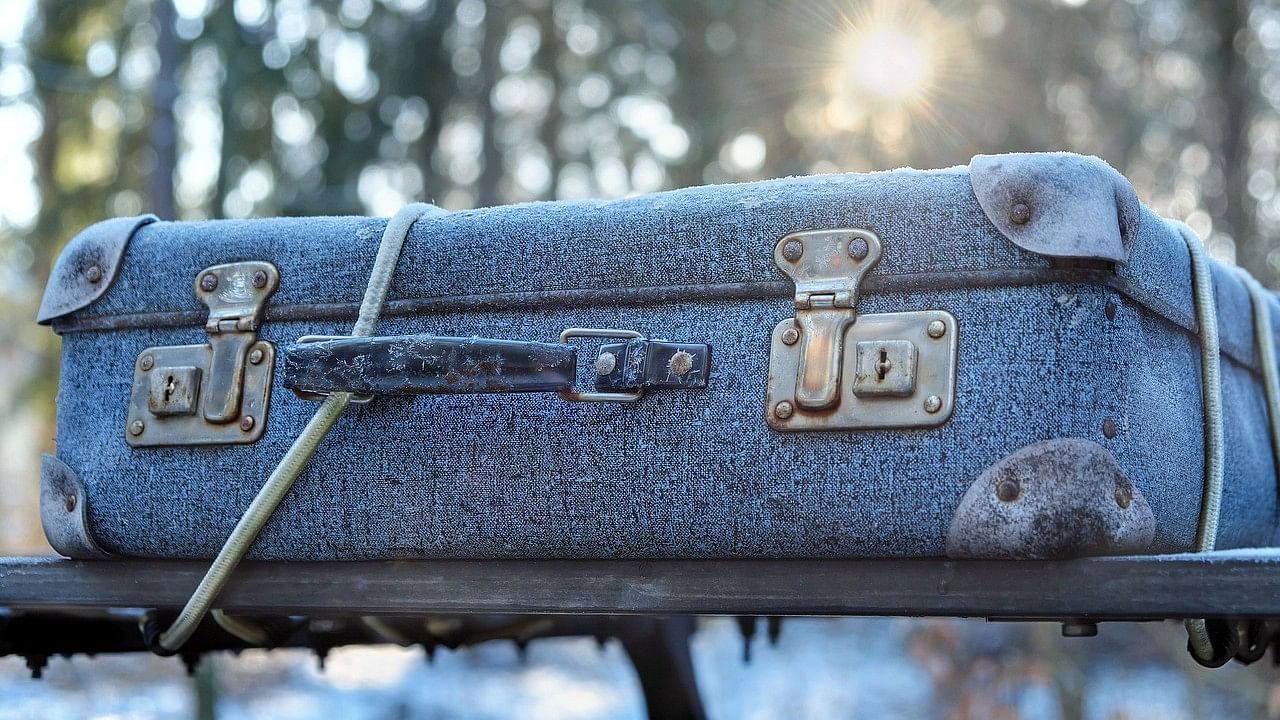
x: 1211, y: 392
x: 299, y: 454
x: 1264, y: 341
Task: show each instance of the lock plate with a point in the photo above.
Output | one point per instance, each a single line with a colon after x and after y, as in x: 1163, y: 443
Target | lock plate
x: 216, y: 393
x: 865, y: 401
x: 833, y: 369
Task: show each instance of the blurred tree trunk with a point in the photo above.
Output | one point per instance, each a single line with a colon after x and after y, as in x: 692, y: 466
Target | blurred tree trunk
x: 164, y: 129
x: 226, y: 33
x: 490, y: 73
x: 1230, y: 19
x: 548, y: 60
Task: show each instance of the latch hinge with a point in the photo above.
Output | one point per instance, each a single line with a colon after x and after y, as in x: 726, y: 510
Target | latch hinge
x: 218, y: 392
x: 830, y: 368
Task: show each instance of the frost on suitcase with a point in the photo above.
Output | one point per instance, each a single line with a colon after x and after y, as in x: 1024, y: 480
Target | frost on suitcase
x: 1009, y: 359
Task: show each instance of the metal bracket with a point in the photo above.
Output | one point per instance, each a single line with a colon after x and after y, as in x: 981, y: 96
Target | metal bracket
x: 216, y: 393
x: 831, y: 369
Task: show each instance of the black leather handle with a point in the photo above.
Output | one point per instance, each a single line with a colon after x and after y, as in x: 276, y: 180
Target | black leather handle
x: 427, y: 364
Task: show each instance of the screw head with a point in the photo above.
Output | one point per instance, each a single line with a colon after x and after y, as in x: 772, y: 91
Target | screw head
x: 790, y: 336
x: 147, y: 362
x: 858, y: 248
x: 255, y: 356
x: 680, y: 363
x: 1123, y: 497
x: 1008, y: 490
x: 69, y: 502
x: 260, y: 279
x: 937, y: 329
x: 783, y: 410
x: 208, y: 282
x: 792, y: 250
x: 93, y: 274
x: 606, y: 363
x: 1019, y: 214
x: 136, y: 427
x: 247, y: 422
x: 932, y: 404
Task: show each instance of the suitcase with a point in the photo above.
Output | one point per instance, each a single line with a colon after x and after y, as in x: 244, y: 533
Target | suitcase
x: 1010, y: 359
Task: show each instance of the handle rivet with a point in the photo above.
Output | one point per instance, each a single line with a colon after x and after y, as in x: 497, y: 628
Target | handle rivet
x: 932, y: 404
x: 792, y: 250
x: 147, y: 362
x: 783, y: 410
x: 260, y: 279
x: 858, y: 248
x: 937, y: 329
x: 606, y: 363
x: 246, y: 423
x: 790, y: 336
x: 136, y: 427
x: 255, y: 356
x: 208, y: 282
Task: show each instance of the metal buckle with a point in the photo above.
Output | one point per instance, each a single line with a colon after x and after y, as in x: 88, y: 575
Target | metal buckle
x: 572, y: 395
x: 358, y: 399
x: 216, y: 393
x: 832, y: 369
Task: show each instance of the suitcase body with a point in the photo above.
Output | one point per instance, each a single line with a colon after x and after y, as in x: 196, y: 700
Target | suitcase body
x: 1059, y: 411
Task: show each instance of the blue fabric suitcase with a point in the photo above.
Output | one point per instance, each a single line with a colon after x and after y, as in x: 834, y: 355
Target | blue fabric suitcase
x: 1010, y: 359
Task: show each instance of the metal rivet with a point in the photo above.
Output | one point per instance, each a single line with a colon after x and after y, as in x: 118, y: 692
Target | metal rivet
x: 680, y: 363
x: 1110, y: 310
x: 790, y: 336
x: 937, y: 329
x: 147, y: 362
x: 1109, y: 428
x: 606, y: 363
x: 783, y: 410
x: 209, y: 282
x: 136, y: 427
x: 260, y: 279
x: 69, y: 502
x: 792, y: 250
x: 1008, y: 490
x: 858, y: 248
x: 246, y: 423
x: 932, y: 404
x: 1123, y: 497
x: 93, y: 274
x: 255, y: 356
x: 1019, y: 214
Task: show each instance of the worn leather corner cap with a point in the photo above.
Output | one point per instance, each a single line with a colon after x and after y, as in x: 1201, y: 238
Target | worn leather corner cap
x: 87, y: 266
x: 1058, y: 204
x: 64, y: 512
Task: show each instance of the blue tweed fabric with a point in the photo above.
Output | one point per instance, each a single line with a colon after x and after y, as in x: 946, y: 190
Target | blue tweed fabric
x: 679, y: 474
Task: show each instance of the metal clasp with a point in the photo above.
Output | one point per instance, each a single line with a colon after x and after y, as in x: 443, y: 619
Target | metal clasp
x: 901, y: 369
x: 574, y: 396
x: 216, y: 393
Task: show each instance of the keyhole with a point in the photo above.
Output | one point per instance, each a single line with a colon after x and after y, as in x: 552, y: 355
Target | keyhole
x: 169, y: 388
x: 883, y: 366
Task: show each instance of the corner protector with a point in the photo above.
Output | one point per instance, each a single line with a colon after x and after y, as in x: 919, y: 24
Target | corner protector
x: 1058, y: 204
x: 63, y: 512
x: 1053, y: 500
x: 87, y: 266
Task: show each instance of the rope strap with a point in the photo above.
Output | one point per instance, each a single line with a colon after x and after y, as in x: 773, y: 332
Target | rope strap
x: 299, y: 454
x: 1202, y: 646
x: 1264, y: 339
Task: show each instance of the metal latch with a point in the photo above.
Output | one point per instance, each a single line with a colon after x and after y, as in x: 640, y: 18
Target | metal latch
x: 832, y: 369
x: 216, y: 393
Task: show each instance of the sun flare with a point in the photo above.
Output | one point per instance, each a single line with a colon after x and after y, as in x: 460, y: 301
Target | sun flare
x: 891, y: 60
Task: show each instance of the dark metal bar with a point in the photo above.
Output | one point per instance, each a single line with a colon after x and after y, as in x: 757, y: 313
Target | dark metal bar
x: 1241, y: 584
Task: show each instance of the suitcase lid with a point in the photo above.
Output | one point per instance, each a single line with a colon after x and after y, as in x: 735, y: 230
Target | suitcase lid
x: 1002, y: 220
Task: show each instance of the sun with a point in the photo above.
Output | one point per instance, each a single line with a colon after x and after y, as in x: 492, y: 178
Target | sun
x: 890, y: 64
x: 891, y: 58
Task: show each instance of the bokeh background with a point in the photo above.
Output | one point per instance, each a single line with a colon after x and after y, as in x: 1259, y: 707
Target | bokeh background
x: 244, y: 108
